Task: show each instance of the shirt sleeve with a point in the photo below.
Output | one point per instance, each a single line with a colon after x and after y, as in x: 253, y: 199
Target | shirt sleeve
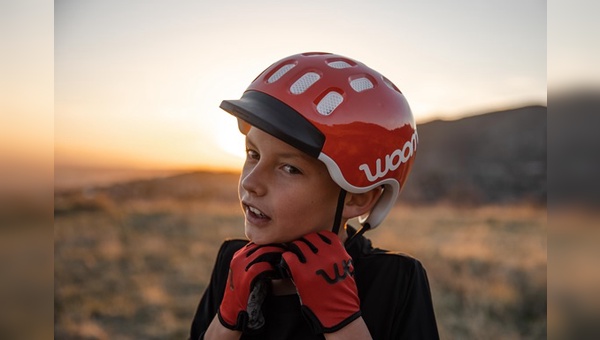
x: 416, y: 318
x: 395, y: 297
x: 211, y: 300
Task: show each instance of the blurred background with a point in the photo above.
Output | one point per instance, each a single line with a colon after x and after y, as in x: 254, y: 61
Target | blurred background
x: 141, y: 180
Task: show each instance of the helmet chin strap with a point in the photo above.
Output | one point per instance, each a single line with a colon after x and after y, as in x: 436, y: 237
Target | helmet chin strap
x: 338, y: 220
x: 338, y: 212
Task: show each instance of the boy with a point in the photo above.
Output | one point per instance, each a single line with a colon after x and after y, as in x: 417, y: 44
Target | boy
x: 327, y: 139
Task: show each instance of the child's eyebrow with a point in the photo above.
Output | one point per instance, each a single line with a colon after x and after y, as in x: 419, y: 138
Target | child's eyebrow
x: 284, y: 155
x: 290, y: 155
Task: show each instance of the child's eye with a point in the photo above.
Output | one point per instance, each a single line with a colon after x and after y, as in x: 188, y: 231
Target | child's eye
x: 251, y: 154
x: 291, y: 169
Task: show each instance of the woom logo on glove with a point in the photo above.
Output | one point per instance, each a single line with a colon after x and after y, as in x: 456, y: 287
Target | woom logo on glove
x: 347, y: 270
x: 329, y: 298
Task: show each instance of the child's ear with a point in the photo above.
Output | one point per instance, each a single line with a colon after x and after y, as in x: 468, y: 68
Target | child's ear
x: 360, y: 204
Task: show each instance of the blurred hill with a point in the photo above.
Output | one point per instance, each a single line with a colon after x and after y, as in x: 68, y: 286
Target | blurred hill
x: 574, y: 147
x: 497, y: 157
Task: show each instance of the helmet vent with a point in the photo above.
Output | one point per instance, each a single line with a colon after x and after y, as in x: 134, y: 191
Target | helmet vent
x: 304, y: 82
x: 390, y: 84
x: 329, y: 103
x: 361, y: 84
x: 283, y: 70
x: 339, y: 64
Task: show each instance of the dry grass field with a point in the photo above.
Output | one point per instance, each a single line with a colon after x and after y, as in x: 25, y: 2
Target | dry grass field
x: 131, y: 261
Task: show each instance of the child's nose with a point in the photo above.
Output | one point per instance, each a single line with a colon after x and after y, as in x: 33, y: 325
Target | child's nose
x: 253, y: 181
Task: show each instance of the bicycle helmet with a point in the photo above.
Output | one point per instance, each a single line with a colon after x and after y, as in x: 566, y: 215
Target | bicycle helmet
x: 341, y: 112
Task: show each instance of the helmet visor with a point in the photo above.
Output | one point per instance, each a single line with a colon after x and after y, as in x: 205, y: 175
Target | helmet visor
x: 277, y: 119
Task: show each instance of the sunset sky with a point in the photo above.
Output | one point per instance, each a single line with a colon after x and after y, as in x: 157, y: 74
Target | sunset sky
x: 138, y: 83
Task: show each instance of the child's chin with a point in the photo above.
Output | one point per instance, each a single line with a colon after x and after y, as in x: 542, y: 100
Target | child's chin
x: 263, y: 239
x: 257, y: 239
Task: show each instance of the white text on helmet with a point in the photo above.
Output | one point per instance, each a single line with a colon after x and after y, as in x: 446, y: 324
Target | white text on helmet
x: 393, y: 160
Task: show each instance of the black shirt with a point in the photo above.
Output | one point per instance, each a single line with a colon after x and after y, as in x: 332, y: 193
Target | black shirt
x: 393, y: 289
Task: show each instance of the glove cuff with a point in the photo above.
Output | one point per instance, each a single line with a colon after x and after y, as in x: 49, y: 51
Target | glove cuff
x: 242, y: 320
x: 318, y: 328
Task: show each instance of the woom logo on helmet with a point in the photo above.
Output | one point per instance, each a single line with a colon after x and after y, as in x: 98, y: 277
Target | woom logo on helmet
x: 393, y: 160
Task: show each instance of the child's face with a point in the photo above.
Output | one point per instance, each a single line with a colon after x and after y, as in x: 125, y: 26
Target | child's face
x: 285, y: 193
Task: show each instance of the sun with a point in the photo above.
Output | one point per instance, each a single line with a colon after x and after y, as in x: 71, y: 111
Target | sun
x: 229, y: 138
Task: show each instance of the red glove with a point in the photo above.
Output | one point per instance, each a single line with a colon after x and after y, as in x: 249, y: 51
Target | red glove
x: 250, y: 270
x: 323, y: 274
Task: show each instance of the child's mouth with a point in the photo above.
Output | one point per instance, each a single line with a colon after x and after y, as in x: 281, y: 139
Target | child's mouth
x: 255, y: 213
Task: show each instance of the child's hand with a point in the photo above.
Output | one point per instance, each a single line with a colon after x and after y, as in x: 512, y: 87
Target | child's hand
x: 250, y: 270
x: 323, y: 274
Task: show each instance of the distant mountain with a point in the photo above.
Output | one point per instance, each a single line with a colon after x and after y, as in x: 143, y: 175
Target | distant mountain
x: 498, y: 157
x: 574, y: 147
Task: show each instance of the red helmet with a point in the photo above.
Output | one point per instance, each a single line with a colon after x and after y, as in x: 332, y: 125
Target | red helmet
x: 340, y: 111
